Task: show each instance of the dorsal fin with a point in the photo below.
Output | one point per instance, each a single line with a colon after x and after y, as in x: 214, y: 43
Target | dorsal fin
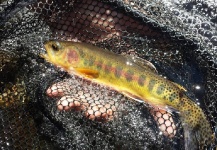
x: 146, y: 63
x: 134, y: 97
x: 141, y: 62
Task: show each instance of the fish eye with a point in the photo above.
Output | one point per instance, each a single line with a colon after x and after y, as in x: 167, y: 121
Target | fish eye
x: 55, y: 47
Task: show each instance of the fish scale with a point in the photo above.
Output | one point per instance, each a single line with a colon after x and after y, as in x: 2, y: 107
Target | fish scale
x: 139, y: 82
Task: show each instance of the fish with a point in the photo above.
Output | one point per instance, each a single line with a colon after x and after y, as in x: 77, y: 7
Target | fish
x: 135, y: 79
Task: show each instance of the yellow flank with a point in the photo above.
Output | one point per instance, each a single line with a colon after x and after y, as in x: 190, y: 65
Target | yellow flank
x: 134, y: 79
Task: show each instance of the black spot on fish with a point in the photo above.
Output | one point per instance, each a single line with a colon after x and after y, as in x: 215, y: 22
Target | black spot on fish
x: 181, y: 94
x: 129, y: 75
x: 151, y: 84
x: 118, y: 71
x: 160, y: 89
x: 141, y: 80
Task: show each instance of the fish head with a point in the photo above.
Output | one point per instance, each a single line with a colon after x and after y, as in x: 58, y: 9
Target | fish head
x: 61, y: 53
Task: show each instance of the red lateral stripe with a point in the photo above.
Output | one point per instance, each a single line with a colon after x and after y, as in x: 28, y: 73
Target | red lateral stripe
x: 113, y: 69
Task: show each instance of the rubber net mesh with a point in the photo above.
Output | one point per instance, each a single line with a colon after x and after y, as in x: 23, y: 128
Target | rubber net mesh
x: 42, y: 107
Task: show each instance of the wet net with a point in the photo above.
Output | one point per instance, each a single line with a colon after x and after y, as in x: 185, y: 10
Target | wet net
x: 43, y: 107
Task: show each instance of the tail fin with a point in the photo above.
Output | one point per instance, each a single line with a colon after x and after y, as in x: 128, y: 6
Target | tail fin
x: 197, y: 130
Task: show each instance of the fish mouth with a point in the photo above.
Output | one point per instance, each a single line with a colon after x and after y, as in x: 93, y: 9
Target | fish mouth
x: 47, y: 54
x: 46, y: 45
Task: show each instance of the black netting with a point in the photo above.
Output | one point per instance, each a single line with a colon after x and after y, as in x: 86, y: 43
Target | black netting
x: 178, y: 37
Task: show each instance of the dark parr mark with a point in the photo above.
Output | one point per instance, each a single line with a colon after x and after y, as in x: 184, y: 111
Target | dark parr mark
x: 173, y: 96
x: 129, y: 75
x: 118, y: 71
x: 151, y: 84
x: 160, y: 89
x: 86, y: 62
x: 108, y: 67
x: 141, y: 80
x: 99, y: 65
x: 82, y: 54
x: 91, y: 61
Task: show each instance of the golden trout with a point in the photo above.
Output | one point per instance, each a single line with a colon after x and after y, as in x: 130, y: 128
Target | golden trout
x: 135, y: 80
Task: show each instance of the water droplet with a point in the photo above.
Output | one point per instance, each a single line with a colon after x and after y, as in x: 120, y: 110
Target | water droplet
x: 197, y: 87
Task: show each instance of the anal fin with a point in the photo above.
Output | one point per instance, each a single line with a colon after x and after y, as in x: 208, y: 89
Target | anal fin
x: 134, y: 97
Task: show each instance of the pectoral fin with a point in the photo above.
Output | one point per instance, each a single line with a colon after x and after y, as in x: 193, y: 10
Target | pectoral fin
x: 89, y: 73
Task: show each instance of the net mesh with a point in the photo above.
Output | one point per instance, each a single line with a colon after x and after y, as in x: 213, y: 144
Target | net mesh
x: 178, y: 37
